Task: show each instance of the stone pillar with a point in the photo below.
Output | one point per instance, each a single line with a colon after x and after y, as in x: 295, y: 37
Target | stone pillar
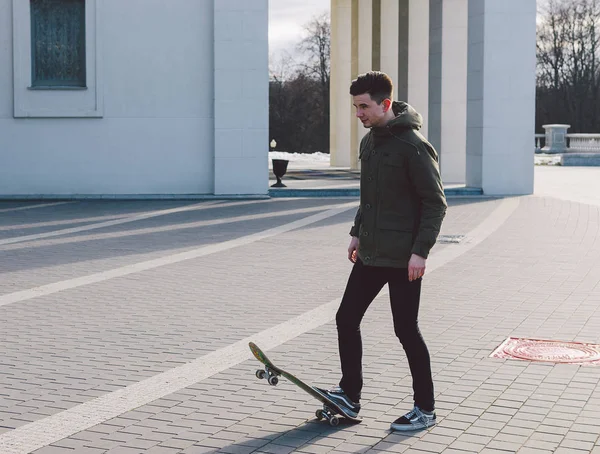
x: 501, y: 96
x: 355, y: 49
x: 364, y: 63
x: 556, y: 139
x: 418, y: 59
x: 405, y: 51
x: 448, y: 85
x: 364, y: 38
x: 241, y: 90
x: 341, y: 117
x: 435, y: 74
x: 403, y: 46
x: 390, y: 11
x: 387, y: 35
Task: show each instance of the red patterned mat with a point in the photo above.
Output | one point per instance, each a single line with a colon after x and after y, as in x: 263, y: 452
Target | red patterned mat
x: 548, y: 351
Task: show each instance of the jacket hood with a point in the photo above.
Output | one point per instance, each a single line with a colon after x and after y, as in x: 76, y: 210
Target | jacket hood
x: 406, y: 117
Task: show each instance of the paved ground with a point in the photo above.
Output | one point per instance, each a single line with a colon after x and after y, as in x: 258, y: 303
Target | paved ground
x: 124, y: 326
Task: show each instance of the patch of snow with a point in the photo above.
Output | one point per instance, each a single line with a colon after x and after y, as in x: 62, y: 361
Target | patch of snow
x: 547, y: 160
x: 320, y: 157
x: 299, y: 157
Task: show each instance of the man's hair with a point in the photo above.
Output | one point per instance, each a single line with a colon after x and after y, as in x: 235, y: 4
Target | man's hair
x: 376, y: 83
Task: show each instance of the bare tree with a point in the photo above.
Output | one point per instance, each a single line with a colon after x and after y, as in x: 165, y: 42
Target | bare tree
x: 568, y: 76
x: 316, y: 47
x: 551, y: 41
x: 282, y: 67
x: 299, y: 92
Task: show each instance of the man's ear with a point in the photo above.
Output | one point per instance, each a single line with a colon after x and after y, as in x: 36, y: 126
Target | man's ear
x: 387, y: 104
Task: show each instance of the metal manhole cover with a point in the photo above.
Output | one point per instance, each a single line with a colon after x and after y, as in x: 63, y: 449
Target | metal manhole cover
x: 548, y: 351
x: 450, y: 239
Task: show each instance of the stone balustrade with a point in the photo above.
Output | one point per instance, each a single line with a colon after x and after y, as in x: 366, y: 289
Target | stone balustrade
x: 573, y: 149
x: 583, y: 143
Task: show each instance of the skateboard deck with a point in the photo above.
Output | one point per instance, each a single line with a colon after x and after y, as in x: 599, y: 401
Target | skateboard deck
x: 272, y: 373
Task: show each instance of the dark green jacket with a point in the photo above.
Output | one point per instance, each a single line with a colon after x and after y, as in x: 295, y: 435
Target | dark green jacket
x: 402, y: 202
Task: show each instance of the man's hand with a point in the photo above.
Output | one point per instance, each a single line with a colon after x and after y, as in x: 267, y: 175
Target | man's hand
x: 416, y: 267
x: 352, y: 249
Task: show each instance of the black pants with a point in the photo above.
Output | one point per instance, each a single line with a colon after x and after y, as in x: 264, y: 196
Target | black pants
x: 364, y: 284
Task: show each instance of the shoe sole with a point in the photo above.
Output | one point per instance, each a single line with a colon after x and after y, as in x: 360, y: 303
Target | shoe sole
x: 410, y: 427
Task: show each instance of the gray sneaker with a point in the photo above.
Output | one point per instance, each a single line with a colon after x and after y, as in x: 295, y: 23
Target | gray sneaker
x: 416, y: 419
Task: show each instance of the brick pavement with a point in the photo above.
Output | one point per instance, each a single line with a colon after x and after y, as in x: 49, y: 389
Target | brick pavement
x: 577, y: 184
x: 536, y: 276
x: 79, y: 337
x: 103, y: 249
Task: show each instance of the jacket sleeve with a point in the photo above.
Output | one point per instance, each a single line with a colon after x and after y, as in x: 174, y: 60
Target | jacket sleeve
x: 427, y: 183
x: 354, y: 231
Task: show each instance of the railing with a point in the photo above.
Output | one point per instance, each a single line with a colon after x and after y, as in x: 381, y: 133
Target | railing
x: 583, y: 143
x: 557, y: 140
x: 540, y: 142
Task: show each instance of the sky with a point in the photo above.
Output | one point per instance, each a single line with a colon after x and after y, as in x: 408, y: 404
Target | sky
x: 287, y: 18
x: 286, y: 21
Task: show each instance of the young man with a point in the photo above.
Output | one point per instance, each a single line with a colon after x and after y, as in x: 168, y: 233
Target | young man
x: 402, y: 205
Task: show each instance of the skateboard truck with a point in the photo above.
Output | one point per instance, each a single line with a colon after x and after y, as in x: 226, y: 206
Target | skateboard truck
x: 328, y: 414
x: 269, y: 374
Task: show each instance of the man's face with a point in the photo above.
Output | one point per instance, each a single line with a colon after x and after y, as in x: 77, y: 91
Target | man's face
x: 369, y: 112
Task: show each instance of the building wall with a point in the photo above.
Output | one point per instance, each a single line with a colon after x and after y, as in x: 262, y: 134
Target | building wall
x: 152, y: 126
x: 241, y: 98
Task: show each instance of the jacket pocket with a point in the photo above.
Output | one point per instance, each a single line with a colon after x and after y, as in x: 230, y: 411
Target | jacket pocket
x: 395, y: 244
x: 392, y: 174
x: 394, y: 220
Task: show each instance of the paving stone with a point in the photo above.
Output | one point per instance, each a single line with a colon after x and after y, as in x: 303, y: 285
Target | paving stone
x: 69, y: 347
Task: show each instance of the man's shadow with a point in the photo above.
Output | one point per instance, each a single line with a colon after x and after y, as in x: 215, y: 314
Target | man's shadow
x: 293, y: 438
x: 310, y: 432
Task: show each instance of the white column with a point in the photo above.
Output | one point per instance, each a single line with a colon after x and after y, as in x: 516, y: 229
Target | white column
x: 389, y: 38
x: 365, y: 36
x: 405, y: 51
x: 448, y: 85
x: 365, y: 64
x: 241, y: 62
x: 341, y: 76
x: 418, y: 59
x: 435, y: 74
x: 501, y: 96
x: 454, y: 90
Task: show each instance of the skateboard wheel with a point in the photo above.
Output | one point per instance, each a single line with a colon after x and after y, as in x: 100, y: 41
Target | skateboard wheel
x: 260, y: 374
x: 334, y: 421
x: 273, y: 380
x: 319, y: 414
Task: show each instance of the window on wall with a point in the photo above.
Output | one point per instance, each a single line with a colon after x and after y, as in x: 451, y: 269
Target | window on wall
x: 58, y: 43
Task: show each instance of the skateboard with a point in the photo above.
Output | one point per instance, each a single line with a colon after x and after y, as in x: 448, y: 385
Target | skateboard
x: 272, y: 373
